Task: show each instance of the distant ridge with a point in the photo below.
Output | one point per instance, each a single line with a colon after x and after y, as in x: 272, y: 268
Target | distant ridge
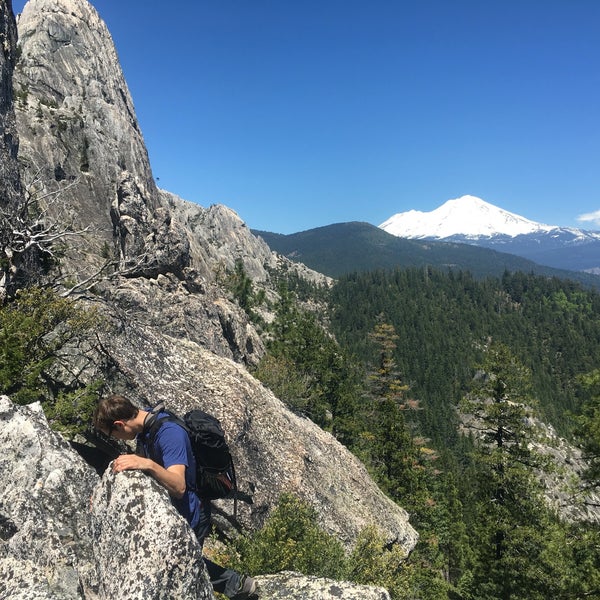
x: 471, y: 220
x: 342, y: 248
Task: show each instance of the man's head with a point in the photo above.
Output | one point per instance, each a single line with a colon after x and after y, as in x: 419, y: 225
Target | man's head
x: 117, y: 417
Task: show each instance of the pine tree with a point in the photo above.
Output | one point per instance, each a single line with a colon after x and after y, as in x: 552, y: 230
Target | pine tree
x: 308, y: 370
x: 511, y: 516
x: 387, y: 445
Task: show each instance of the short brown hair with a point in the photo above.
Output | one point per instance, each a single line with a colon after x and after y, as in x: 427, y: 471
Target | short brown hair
x: 111, y: 409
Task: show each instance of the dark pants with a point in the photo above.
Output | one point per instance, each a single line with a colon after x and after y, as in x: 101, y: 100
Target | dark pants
x: 225, y: 581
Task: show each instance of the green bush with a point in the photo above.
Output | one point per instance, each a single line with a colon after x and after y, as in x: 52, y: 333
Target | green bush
x: 72, y: 412
x: 291, y: 540
x: 35, y: 327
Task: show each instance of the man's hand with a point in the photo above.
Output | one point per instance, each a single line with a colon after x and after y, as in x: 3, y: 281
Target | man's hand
x: 131, y: 462
x: 172, y: 478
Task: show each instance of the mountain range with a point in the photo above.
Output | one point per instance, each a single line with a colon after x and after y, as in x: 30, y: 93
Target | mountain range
x: 341, y: 248
x: 466, y: 233
x: 471, y: 220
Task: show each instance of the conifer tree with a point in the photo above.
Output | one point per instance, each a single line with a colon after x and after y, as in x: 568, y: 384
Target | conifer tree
x: 388, y: 445
x: 511, y: 516
x: 308, y: 370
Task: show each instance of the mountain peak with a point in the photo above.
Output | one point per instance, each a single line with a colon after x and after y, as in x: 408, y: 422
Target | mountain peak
x: 466, y: 216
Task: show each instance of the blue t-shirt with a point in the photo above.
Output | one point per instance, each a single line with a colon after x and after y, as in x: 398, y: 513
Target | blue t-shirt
x: 172, y: 447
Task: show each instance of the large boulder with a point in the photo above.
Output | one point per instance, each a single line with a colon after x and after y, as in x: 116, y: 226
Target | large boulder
x: 65, y: 534
x: 143, y: 548
x: 288, y: 585
x: 45, y: 489
x: 275, y: 450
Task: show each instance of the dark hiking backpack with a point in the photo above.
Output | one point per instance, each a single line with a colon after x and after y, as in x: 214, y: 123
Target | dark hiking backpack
x: 215, y: 473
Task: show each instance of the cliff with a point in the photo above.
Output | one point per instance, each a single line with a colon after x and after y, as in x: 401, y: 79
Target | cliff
x: 171, y: 332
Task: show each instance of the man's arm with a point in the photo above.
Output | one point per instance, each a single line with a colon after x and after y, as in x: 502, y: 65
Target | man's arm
x: 173, y: 478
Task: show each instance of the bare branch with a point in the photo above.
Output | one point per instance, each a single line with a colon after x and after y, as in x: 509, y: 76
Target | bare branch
x: 86, y: 284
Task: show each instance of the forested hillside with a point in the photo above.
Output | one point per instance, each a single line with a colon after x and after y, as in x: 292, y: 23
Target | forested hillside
x: 444, y: 319
x: 438, y: 382
x: 477, y: 500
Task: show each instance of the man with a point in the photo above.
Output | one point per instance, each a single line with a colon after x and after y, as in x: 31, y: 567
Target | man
x: 171, y: 462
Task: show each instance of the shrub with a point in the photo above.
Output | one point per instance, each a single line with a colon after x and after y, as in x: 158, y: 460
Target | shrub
x: 35, y: 328
x: 291, y: 540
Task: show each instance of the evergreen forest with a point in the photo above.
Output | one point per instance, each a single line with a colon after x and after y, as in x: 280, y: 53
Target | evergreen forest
x: 442, y: 383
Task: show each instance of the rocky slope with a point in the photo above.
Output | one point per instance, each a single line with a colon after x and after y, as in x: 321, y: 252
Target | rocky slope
x: 78, y: 130
x: 66, y: 533
x: 275, y: 450
x: 171, y: 333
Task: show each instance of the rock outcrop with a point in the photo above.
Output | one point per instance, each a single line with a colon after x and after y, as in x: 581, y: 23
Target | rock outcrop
x: 82, y: 148
x: 172, y: 332
x: 275, y: 450
x: 65, y: 534
x: 563, y: 482
x: 10, y: 182
x: 138, y: 535
x: 80, y: 137
x: 566, y: 489
x: 287, y: 585
x: 45, y: 488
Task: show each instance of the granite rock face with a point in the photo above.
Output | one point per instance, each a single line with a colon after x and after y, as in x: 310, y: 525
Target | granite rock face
x: 142, y: 547
x: 81, y: 143
x: 79, y: 134
x: 65, y: 534
x: 566, y: 489
x: 287, y: 585
x: 10, y: 182
x: 275, y: 450
x: 45, y: 490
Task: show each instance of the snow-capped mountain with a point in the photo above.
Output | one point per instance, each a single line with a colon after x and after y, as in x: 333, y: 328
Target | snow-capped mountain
x: 467, y: 216
x: 473, y: 221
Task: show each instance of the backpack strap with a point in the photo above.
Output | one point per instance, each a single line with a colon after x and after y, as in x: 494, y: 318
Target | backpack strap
x: 152, y: 424
x: 152, y: 416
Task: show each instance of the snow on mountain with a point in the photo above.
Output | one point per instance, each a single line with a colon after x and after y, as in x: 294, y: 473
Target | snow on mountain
x: 467, y: 216
x: 471, y: 220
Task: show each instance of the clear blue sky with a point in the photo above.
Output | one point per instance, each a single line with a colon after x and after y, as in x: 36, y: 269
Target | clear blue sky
x: 302, y: 113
